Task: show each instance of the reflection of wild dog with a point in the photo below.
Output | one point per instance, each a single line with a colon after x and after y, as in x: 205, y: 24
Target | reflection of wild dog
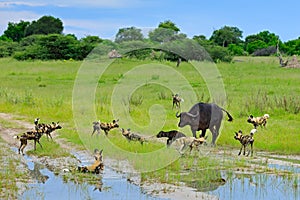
x: 171, y: 135
x: 132, y: 136
x: 191, y: 142
x: 104, y: 126
x: 176, y: 101
x: 29, y: 135
x: 36, y: 173
x: 245, y: 140
x: 258, y: 121
x: 46, y: 128
x: 97, y: 166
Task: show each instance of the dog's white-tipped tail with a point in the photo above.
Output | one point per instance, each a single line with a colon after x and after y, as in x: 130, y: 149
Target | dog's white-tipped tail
x: 16, y: 137
x: 266, y: 116
x: 253, y: 131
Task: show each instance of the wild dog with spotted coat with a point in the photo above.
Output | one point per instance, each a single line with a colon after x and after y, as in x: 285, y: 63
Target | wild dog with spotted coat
x: 46, y: 128
x: 132, y: 136
x: 97, y: 166
x: 258, y: 121
x: 106, y: 127
x: 245, y: 140
x: 171, y: 135
x: 34, y: 135
x: 176, y: 101
x: 190, y: 142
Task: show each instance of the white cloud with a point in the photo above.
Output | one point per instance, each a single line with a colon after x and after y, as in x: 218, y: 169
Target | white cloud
x: 81, y: 28
x: 86, y: 3
x: 9, y: 16
x: 7, y: 4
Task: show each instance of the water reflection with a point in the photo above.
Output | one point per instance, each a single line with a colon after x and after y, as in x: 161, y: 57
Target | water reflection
x: 36, y: 174
x: 109, y: 185
x: 204, y: 180
x: 259, y: 186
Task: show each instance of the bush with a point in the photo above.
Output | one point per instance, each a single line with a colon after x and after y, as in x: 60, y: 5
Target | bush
x: 237, y: 50
x: 7, y: 48
x: 218, y: 54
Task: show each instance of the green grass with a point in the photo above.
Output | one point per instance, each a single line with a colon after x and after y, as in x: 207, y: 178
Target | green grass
x: 255, y: 86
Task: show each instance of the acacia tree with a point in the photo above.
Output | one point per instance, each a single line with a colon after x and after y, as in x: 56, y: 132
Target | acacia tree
x: 227, y: 35
x: 129, y: 34
x: 45, y: 25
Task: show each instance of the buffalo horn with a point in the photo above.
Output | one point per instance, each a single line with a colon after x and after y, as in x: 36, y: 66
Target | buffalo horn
x: 178, y: 115
x: 190, y: 114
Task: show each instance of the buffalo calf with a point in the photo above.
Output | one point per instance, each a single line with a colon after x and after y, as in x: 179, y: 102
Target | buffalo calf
x: 171, y: 135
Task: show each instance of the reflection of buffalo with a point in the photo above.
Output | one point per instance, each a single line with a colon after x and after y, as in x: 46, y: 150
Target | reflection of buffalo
x: 203, y: 116
x: 205, y: 180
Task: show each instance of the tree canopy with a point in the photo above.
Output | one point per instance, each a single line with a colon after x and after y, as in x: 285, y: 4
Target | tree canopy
x: 45, y: 25
x: 44, y: 39
x: 169, y: 25
x: 129, y: 34
x: 227, y: 35
x: 16, y: 31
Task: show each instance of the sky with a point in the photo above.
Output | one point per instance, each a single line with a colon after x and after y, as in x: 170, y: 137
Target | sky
x: 104, y: 18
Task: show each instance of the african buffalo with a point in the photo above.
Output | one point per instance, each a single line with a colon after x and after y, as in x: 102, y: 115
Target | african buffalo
x: 203, y: 116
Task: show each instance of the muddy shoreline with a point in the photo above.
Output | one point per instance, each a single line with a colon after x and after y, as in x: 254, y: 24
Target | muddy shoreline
x: 59, y: 166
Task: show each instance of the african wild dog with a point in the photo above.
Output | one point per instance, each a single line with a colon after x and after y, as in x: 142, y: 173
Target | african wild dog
x: 46, y: 128
x: 132, y: 136
x: 176, y: 101
x: 258, y: 121
x: 245, y: 140
x: 97, y: 166
x: 171, y: 135
x: 191, y: 142
x: 106, y: 127
x: 29, y: 135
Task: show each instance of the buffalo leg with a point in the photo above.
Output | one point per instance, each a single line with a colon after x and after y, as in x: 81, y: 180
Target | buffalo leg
x: 169, y: 142
x: 194, y: 133
x: 202, y: 133
x: 215, y: 134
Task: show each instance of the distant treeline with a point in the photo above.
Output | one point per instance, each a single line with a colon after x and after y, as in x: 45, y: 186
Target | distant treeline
x: 44, y: 39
